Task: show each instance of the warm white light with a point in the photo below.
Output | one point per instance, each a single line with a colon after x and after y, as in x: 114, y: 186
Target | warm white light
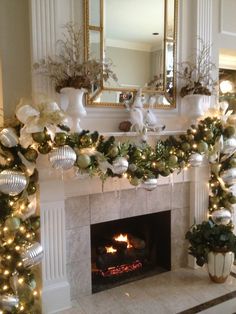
x: 226, y: 86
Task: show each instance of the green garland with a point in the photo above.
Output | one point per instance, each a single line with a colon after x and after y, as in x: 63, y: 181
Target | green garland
x: 92, y: 151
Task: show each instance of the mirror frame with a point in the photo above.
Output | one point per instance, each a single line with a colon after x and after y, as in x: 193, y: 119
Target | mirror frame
x: 90, y: 100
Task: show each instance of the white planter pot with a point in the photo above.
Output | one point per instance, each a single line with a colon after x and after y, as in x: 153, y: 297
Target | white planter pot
x: 219, y: 265
x: 195, y: 106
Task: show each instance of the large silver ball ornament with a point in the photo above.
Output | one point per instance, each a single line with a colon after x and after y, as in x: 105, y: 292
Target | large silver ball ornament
x: 229, y: 176
x: 8, y: 137
x: 229, y: 145
x: 150, y: 184
x: 8, y: 302
x: 120, y: 165
x: 32, y: 255
x: 62, y: 157
x: 12, y: 182
x: 221, y: 216
x: 196, y: 160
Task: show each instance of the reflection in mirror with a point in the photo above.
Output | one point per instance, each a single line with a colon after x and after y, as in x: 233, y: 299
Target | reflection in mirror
x: 227, y: 91
x: 139, y: 37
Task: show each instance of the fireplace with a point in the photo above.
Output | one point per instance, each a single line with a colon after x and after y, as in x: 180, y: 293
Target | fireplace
x: 129, y: 249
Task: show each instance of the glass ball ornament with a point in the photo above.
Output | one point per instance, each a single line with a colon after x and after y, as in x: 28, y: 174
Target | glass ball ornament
x: 196, y: 160
x: 221, y: 216
x: 120, y: 165
x: 8, y: 137
x: 150, y: 184
x: 32, y: 255
x: 83, y: 161
x: 12, y: 182
x: 229, y: 176
x: 12, y: 223
x: 8, y: 302
x: 62, y: 157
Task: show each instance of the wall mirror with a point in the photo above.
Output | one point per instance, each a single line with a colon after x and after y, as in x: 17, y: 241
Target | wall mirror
x: 139, y: 37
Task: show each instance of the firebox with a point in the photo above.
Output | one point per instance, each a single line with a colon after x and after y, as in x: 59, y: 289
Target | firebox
x: 129, y: 249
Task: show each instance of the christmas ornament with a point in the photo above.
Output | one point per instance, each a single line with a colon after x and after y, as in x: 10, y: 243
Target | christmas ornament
x: 32, y: 255
x: 8, y: 137
x: 150, y: 184
x: 12, y: 223
x: 229, y: 176
x: 202, y: 147
x: 83, y: 161
x: 31, y: 188
x: 39, y: 137
x: 12, y: 182
x: 31, y: 154
x: 8, y: 302
x: 113, y: 151
x: 221, y: 216
x: 229, y: 131
x: 44, y: 148
x: 196, y: 160
x: 172, y: 161
x: 60, y: 138
x: 120, y: 165
x: 62, y: 157
x: 135, y: 181
x: 229, y: 146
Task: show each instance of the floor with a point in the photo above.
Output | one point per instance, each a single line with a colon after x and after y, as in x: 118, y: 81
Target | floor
x: 183, y: 291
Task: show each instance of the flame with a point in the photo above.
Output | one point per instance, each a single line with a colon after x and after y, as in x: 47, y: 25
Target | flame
x: 120, y: 269
x: 110, y: 249
x: 123, y: 238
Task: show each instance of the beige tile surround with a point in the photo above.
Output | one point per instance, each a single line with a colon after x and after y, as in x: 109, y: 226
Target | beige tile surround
x: 82, y: 211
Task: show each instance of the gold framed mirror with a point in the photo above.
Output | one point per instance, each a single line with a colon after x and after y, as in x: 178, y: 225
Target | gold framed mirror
x: 140, y: 39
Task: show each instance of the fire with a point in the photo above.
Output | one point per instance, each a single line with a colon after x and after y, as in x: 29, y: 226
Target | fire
x: 123, y: 238
x: 110, y: 249
x: 120, y: 269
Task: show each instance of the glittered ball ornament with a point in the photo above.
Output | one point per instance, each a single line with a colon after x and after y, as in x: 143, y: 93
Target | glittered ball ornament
x: 221, y: 216
x: 196, y: 160
x: 62, y: 157
x: 135, y: 181
x: 8, y: 302
x: 12, y: 182
x: 229, y: 176
x: 150, y: 184
x: 120, y: 165
x: 32, y: 255
x: 8, y: 137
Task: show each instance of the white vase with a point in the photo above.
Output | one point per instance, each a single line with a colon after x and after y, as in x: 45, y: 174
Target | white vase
x: 219, y: 265
x: 195, y: 106
x: 71, y: 101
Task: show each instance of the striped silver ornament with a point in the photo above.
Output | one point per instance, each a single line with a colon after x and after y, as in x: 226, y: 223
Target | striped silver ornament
x: 8, y: 302
x: 221, y: 216
x: 12, y: 182
x: 150, y: 184
x: 62, y: 157
x: 196, y: 160
x: 8, y: 137
x: 120, y: 165
x: 32, y: 255
x: 229, y: 176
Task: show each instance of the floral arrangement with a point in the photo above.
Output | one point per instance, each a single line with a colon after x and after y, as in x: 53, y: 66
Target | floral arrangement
x: 66, y: 68
x: 196, y: 75
x: 41, y: 129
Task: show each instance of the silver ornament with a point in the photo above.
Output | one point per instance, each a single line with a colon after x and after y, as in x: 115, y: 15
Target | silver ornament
x: 232, y: 189
x: 62, y: 157
x: 12, y: 182
x: 221, y: 216
x: 229, y: 176
x: 120, y: 165
x: 32, y: 255
x: 196, y: 160
x: 8, y: 302
x: 8, y: 137
x: 150, y: 184
x: 229, y: 145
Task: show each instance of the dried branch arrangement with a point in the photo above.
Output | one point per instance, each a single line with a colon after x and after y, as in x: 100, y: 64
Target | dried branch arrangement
x: 197, y: 75
x: 66, y: 69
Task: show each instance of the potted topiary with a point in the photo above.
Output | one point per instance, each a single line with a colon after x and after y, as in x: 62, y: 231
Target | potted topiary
x: 214, y: 245
x: 198, y: 82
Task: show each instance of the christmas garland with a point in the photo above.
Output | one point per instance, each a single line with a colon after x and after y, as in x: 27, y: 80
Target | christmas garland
x: 45, y: 131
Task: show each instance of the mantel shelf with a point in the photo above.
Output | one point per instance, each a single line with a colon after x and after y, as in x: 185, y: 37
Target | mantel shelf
x: 134, y: 134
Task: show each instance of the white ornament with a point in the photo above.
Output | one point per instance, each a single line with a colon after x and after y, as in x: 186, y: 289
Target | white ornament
x: 229, y: 176
x: 12, y: 182
x: 8, y: 137
x: 62, y: 157
x: 229, y: 145
x: 150, y: 184
x: 8, y: 302
x: 32, y: 255
x: 196, y: 160
x: 221, y: 216
x: 120, y: 165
